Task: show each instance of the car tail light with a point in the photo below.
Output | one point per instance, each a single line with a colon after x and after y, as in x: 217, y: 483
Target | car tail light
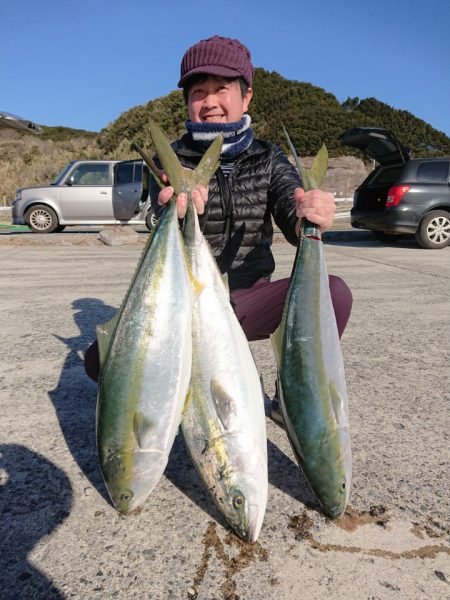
x: 395, y: 194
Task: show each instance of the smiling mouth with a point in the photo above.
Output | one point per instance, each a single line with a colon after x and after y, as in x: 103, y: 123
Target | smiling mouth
x: 215, y: 117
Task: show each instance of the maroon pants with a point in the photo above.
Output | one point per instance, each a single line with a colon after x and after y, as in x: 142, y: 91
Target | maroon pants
x: 259, y: 309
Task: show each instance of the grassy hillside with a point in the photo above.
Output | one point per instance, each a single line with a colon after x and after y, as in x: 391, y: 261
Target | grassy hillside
x: 310, y: 114
x: 27, y: 160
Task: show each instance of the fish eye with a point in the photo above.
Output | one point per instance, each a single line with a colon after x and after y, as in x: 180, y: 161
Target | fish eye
x: 343, y: 486
x: 238, y: 501
x: 126, y: 496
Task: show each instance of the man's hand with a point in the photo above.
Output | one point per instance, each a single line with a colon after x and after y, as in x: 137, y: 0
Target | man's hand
x: 199, y: 198
x: 317, y: 206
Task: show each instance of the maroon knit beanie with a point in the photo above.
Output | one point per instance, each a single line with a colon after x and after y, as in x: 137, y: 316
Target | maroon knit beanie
x: 217, y: 55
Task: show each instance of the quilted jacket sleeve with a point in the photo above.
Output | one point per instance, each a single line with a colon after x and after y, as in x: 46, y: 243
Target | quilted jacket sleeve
x: 283, y: 182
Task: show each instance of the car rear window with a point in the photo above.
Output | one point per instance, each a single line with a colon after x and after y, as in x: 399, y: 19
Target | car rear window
x: 433, y: 171
x: 386, y: 175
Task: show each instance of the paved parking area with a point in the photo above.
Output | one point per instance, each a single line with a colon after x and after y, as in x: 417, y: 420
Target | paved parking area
x: 59, y: 536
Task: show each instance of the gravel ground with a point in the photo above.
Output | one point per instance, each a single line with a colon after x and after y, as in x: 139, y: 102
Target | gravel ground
x: 60, y: 537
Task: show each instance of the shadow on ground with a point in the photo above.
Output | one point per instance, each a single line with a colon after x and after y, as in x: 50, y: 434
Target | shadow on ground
x: 75, y: 396
x: 35, y: 498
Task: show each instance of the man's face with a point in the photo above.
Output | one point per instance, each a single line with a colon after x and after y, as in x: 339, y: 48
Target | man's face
x: 217, y: 100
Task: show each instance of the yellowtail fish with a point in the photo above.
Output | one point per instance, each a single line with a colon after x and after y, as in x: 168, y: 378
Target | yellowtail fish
x: 224, y: 421
x: 145, y: 365
x: 312, y: 387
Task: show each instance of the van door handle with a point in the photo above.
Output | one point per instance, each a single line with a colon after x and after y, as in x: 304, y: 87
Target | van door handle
x: 101, y: 192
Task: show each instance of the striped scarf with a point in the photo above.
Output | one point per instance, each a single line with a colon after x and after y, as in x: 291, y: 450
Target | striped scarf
x: 237, y: 136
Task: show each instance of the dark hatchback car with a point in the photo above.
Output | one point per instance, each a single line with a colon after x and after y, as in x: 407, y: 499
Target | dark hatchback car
x: 402, y: 195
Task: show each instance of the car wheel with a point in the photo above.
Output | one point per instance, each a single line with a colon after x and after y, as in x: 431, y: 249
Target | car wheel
x: 41, y: 219
x: 387, y: 238
x: 434, y: 230
x: 151, y: 220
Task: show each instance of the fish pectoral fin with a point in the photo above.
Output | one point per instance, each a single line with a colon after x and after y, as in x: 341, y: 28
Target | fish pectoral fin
x: 105, y: 333
x: 224, y: 403
x: 196, y: 285
x: 187, y: 401
x: 276, y: 339
x: 142, y: 428
x: 338, y: 403
x: 225, y: 281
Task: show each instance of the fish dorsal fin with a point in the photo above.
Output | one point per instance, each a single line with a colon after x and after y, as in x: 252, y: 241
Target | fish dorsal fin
x: 337, y: 402
x: 276, y: 339
x: 224, y: 403
x: 143, y: 428
x: 105, y: 333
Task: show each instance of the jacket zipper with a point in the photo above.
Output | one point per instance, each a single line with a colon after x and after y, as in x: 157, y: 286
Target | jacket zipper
x: 225, y: 194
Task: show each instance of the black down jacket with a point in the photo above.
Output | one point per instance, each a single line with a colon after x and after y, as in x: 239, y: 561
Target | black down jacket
x: 237, y: 221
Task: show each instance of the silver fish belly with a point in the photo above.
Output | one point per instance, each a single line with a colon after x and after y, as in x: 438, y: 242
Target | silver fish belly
x: 224, y: 422
x: 145, y: 372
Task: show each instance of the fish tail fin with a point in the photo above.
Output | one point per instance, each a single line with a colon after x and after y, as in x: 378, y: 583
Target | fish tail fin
x: 209, y: 163
x: 182, y: 179
x: 314, y: 177
x: 319, y: 167
x: 150, y: 164
x: 169, y: 160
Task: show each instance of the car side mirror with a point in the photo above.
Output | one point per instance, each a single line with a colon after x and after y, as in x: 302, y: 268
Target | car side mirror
x: 69, y: 181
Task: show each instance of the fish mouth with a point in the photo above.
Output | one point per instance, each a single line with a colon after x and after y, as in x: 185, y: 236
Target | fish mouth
x: 255, y: 518
x: 335, y: 510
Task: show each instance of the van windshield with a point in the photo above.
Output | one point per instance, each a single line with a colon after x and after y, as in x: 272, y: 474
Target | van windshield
x: 62, y: 174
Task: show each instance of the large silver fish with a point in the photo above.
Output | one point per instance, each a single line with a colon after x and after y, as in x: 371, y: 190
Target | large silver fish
x: 145, y: 358
x: 224, y: 421
x: 312, y: 387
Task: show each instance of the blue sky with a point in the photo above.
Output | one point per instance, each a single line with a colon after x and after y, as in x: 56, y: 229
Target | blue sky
x: 82, y: 63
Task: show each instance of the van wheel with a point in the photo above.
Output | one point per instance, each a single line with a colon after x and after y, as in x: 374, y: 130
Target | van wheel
x: 41, y: 219
x: 151, y: 220
x: 434, y: 230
